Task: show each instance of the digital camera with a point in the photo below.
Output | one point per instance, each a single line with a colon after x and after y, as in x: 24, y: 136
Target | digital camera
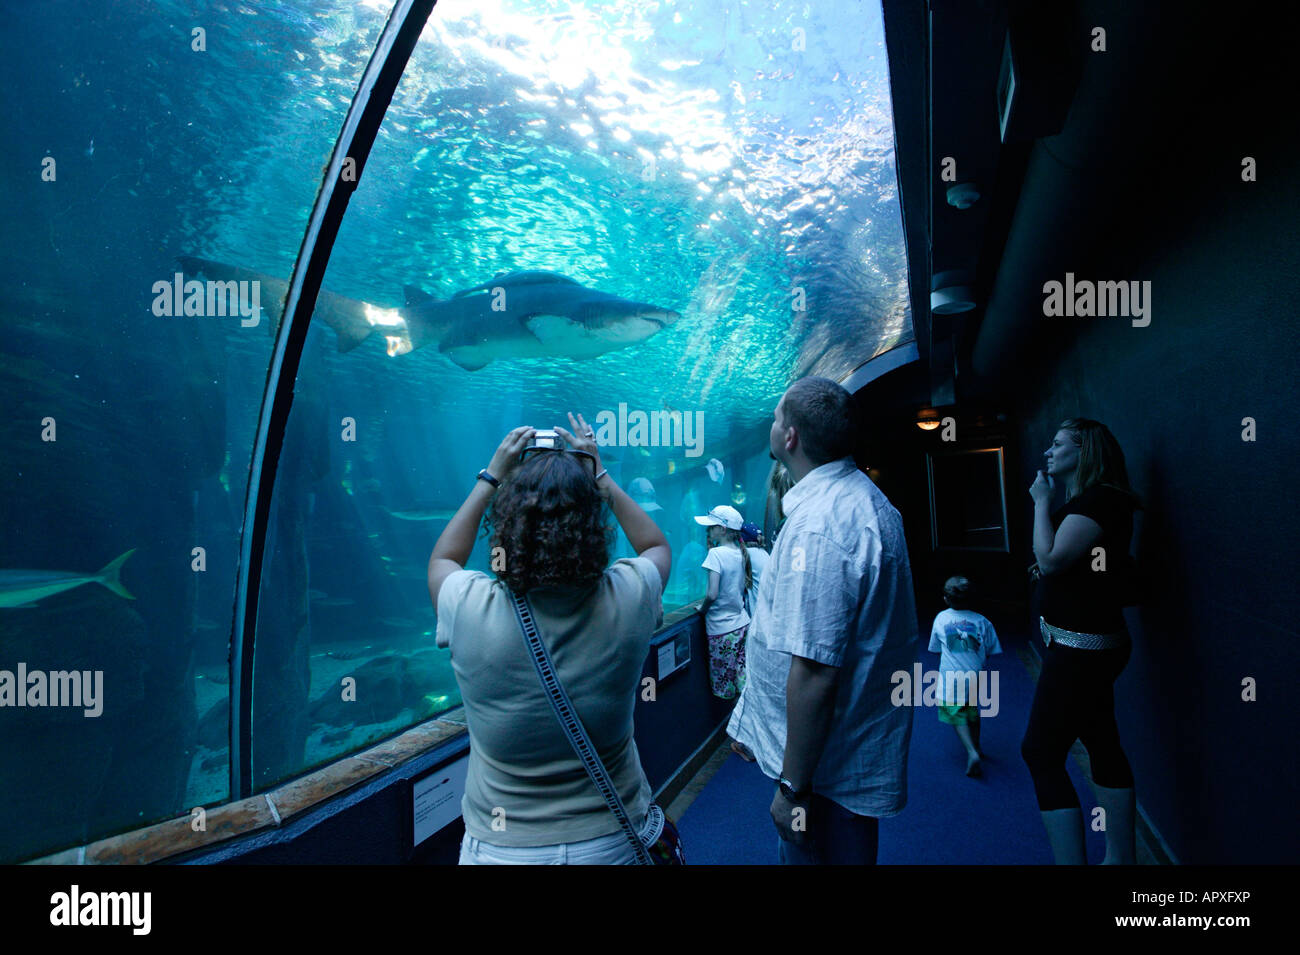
x: 547, y: 439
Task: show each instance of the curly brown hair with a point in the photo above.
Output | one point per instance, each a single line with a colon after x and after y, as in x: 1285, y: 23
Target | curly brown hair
x: 550, y: 524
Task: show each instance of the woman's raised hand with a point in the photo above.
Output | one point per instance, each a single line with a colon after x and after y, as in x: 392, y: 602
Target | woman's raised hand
x: 582, y: 438
x: 506, y: 457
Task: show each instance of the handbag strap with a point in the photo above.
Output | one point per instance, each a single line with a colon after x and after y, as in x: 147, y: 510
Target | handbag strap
x: 573, y: 727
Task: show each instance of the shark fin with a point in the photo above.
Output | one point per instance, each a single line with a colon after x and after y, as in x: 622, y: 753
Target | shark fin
x: 415, y: 295
x: 111, y: 578
x: 350, y: 333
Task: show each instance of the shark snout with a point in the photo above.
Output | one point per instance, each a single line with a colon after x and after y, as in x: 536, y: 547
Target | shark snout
x: 662, y: 317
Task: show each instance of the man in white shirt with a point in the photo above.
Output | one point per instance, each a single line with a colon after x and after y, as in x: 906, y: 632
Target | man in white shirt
x: 836, y: 618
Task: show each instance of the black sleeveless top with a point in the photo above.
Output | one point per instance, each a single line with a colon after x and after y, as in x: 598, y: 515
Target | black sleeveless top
x: 1078, y: 597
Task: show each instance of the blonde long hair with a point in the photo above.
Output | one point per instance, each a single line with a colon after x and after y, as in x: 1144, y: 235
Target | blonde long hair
x: 778, y: 482
x: 728, y: 535
x: 1101, y: 460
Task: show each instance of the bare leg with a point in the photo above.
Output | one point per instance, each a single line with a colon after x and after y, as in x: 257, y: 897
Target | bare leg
x: 741, y: 750
x: 973, y: 767
x: 1065, y: 834
x: 1120, y: 806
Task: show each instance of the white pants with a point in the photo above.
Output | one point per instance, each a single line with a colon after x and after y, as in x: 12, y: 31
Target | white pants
x: 613, y: 849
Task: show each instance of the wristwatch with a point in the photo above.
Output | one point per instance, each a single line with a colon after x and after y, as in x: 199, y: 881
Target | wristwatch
x: 790, y: 793
x: 485, y: 476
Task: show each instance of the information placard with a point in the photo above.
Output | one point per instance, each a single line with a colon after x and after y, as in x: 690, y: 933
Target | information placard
x: 437, y: 796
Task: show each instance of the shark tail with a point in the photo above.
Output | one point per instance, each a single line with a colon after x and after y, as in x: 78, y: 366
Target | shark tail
x: 350, y: 333
x: 111, y: 577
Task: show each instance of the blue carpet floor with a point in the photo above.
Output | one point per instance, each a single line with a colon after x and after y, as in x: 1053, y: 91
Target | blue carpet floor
x: 950, y: 818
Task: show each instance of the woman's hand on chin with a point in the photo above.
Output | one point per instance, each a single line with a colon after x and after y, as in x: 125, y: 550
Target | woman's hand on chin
x: 1041, y: 489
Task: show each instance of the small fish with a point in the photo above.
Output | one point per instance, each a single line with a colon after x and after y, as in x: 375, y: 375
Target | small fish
x: 421, y: 513
x: 20, y: 587
x: 90, y: 150
x: 341, y: 655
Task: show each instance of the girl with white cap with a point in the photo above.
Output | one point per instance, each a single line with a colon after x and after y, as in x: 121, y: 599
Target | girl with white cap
x: 725, y: 614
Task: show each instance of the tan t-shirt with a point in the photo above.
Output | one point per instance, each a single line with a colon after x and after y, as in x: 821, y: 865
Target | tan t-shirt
x: 525, y: 786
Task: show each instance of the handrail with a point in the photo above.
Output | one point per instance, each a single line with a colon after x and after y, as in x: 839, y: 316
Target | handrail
x: 360, y: 127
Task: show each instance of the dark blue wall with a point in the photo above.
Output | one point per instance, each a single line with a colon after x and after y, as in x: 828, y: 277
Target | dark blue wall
x: 1217, y: 775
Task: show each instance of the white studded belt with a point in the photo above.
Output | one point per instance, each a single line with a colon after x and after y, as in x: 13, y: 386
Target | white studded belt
x: 1081, y: 641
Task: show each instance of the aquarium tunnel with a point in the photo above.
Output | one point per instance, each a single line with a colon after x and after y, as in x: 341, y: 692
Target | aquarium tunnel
x: 280, y: 276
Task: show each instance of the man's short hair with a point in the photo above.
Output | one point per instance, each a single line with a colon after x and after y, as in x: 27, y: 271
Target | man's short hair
x: 818, y: 409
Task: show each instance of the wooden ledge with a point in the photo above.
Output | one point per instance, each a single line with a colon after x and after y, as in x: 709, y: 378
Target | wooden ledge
x: 268, y: 810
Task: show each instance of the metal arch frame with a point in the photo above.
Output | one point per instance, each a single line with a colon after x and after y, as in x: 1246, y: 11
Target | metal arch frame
x: 360, y: 127
x: 881, y: 364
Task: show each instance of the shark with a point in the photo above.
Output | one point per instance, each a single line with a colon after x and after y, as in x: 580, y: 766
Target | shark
x: 22, y: 588
x: 529, y: 314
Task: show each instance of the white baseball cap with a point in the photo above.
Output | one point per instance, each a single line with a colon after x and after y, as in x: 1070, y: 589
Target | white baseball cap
x: 723, y: 515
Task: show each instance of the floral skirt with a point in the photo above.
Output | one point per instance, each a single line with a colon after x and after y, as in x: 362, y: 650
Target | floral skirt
x: 727, y: 663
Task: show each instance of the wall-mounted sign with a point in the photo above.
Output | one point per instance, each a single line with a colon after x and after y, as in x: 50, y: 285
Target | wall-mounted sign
x: 436, y: 798
x: 675, y: 653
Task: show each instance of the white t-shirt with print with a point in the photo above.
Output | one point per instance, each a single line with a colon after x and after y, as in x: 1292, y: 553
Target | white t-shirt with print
x: 964, y: 640
x: 727, y: 613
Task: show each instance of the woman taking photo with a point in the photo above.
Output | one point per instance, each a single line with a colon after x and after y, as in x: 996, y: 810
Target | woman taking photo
x: 1083, y: 564
x: 528, y: 798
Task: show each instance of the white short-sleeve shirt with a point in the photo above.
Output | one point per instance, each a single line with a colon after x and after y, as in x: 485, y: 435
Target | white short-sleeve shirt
x: 837, y: 590
x: 727, y: 612
x: 964, y: 640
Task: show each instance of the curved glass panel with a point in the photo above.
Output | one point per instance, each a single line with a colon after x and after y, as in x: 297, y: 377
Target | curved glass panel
x: 712, y: 188
x: 132, y: 143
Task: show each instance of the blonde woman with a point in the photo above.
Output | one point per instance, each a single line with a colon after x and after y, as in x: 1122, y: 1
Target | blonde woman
x: 1087, y: 640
